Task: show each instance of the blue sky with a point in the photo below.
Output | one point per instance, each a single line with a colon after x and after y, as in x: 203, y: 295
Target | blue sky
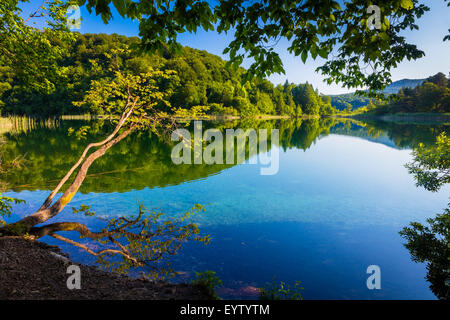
x: 432, y: 28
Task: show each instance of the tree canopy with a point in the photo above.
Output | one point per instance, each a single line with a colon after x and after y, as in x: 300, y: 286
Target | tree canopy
x: 28, y: 54
x: 358, y: 54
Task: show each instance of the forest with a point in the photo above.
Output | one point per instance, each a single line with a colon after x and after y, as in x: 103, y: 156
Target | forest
x: 349, y: 101
x: 203, y: 79
x: 432, y: 96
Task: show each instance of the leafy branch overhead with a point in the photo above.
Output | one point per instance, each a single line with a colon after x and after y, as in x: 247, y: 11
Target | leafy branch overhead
x: 356, y: 54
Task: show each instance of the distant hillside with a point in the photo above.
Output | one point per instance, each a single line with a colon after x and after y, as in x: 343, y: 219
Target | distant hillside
x: 395, y: 87
x: 343, y: 101
x: 432, y: 96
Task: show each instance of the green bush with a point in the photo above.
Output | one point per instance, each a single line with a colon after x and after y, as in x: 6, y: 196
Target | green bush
x: 208, y: 281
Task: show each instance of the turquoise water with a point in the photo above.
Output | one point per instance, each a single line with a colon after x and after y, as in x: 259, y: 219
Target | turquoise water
x: 334, y: 208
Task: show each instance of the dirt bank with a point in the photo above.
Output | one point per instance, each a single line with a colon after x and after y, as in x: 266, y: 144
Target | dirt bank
x: 34, y: 270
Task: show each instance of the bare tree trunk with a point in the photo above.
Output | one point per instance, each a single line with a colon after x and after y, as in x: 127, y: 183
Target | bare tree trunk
x: 123, y: 118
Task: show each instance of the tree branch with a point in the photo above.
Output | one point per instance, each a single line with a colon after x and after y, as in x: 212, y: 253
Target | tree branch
x: 41, y: 216
x: 125, y: 115
x: 36, y: 12
x: 99, y: 253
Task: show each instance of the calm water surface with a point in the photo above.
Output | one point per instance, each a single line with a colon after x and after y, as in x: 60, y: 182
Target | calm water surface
x: 335, y: 207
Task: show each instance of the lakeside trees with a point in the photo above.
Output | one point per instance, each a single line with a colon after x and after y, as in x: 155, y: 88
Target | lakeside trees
x: 431, y: 165
x: 313, y: 28
x: 134, y: 103
x: 29, y: 59
x: 432, y: 96
x: 349, y: 100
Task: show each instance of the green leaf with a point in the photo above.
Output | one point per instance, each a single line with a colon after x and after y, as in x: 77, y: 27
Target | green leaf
x: 407, y: 4
x: 304, y: 56
x: 323, y: 53
x: 120, y: 6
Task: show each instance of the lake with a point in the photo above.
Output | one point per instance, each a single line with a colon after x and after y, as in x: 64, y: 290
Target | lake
x: 335, y: 207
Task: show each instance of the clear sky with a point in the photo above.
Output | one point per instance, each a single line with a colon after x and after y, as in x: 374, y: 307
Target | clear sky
x: 433, y: 27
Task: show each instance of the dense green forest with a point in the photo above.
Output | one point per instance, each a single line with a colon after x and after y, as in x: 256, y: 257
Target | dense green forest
x: 203, y: 79
x: 349, y: 101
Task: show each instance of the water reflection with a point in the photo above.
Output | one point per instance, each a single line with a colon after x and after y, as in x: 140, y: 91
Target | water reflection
x: 143, y: 160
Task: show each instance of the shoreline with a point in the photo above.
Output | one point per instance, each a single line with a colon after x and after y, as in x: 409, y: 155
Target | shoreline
x: 412, y: 118
x: 18, y: 119
x: 33, y: 270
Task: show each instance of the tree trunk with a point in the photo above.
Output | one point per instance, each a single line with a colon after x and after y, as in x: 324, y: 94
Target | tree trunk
x: 44, y: 214
x: 119, y: 125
